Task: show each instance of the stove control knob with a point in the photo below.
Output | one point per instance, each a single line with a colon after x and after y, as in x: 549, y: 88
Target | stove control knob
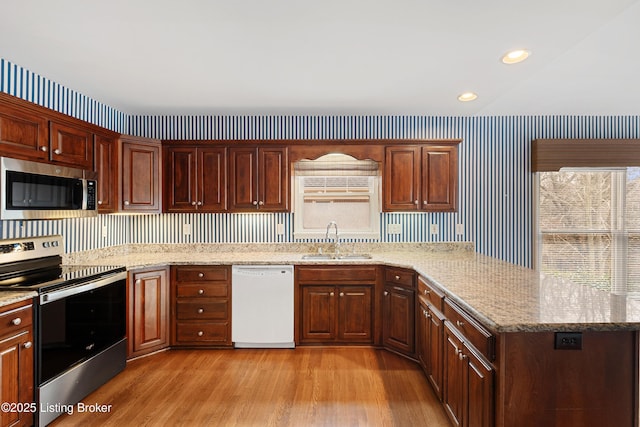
x: 16, y: 321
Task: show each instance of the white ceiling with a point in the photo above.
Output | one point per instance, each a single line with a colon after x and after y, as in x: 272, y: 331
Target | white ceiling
x: 333, y: 56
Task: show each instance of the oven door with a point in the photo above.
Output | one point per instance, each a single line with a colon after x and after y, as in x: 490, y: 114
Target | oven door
x: 76, y: 323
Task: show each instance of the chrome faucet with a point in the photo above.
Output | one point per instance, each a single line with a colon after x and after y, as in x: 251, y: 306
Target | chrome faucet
x: 336, y: 240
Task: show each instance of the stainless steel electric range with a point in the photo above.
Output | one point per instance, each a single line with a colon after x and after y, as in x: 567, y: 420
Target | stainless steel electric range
x: 79, y: 320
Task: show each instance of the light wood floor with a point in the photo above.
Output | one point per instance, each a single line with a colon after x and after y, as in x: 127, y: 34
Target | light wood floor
x: 249, y: 387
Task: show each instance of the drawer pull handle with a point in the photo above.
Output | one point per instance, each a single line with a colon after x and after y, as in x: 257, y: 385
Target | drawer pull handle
x: 200, y: 333
x: 201, y: 275
x: 200, y: 310
x: 16, y: 321
x: 459, y: 323
x: 27, y: 345
x: 200, y: 291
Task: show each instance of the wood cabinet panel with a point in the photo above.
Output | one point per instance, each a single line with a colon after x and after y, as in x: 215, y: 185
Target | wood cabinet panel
x: 148, y: 323
x: 205, y: 309
x: 141, y: 175
x: 71, y: 145
x: 430, y: 342
x: 204, y: 333
x: 439, y: 178
x: 16, y: 362
x: 475, y: 334
x: 401, y: 186
x: 211, y: 188
x: 355, y: 314
x: 398, y: 326
x: 106, y: 165
x: 23, y: 134
x: 318, y: 313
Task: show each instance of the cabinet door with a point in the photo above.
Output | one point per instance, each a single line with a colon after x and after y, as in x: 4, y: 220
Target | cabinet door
x: 453, y: 390
x: 398, y: 312
x: 16, y: 371
x: 479, y: 391
x: 148, y: 311
x: 212, y: 179
x: 180, y: 179
x: 242, y: 179
x: 141, y: 176
x: 439, y: 178
x: 435, y: 326
x: 23, y: 134
x: 71, y: 145
x: 318, y: 315
x: 273, y: 179
x: 355, y: 314
x: 106, y: 165
x: 401, y: 185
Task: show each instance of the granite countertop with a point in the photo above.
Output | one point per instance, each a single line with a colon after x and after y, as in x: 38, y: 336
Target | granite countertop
x: 9, y: 297
x: 502, y: 296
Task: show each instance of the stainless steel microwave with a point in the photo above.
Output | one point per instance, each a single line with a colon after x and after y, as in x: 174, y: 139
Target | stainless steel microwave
x: 31, y: 190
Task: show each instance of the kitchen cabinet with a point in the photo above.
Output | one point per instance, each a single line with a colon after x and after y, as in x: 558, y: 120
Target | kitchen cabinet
x: 201, y: 306
x: 71, y: 144
x: 148, y: 310
x: 398, y: 311
x: 195, y: 178
x: 106, y: 166
x: 141, y: 175
x: 336, y: 304
x: 429, y: 333
x: 259, y: 179
x: 468, y: 375
x: 421, y: 177
x: 16, y: 362
x: 24, y: 133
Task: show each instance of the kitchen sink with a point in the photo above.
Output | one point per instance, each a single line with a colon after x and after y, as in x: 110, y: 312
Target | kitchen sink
x: 328, y: 257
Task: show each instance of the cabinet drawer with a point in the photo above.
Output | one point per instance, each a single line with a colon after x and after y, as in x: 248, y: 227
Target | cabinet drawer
x: 202, y: 273
x: 430, y: 294
x: 202, y: 290
x: 400, y: 276
x: 351, y: 273
x: 217, y: 309
x: 474, y: 333
x: 213, y: 333
x: 15, y: 320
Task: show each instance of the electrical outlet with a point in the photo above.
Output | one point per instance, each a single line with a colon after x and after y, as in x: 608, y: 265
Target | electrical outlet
x: 186, y: 229
x: 394, y: 228
x: 568, y: 341
x: 459, y: 229
x: 434, y: 228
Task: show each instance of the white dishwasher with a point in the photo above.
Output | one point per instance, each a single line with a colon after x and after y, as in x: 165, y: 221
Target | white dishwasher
x: 262, y: 306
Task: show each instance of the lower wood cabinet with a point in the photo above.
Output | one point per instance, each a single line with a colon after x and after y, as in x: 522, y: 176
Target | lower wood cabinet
x: 430, y: 325
x: 335, y: 304
x: 398, y: 311
x: 148, y: 308
x: 16, y: 362
x: 201, y: 306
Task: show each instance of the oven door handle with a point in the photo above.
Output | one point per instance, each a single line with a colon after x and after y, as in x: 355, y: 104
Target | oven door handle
x: 74, y: 290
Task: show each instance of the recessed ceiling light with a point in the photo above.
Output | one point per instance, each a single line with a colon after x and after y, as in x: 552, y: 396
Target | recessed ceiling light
x: 515, y: 56
x: 467, y: 96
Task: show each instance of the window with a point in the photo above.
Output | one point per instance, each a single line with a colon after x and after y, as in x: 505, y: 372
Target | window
x: 589, y: 227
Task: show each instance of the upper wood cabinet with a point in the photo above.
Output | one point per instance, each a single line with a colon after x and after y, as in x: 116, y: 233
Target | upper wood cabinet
x: 421, y: 177
x: 259, y: 179
x: 195, y: 178
x: 71, y: 144
x: 106, y: 165
x: 23, y: 134
x: 141, y: 175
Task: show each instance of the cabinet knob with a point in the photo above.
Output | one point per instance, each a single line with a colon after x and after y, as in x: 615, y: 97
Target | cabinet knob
x: 201, y: 275
x: 199, y: 203
x: 397, y: 277
x: 16, y: 321
x: 424, y: 202
x: 138, y: 282
x: 255, y: 203
x: 57, y: 151
x: 341, y: 294
x: 415, y: 202
x: 386, y: 293
x: 461, y: 355
x: 193, y: 203
x: 200, y: 291
x: 200, y: 333
x: 27, y: 344
x: 44, y: 148
x: 261, y: 203
x: 331, y: 294
x: 427, y: 291
x: 99, y: 202
x: 126, y: 203
x: 459, y: 323
x: 200, y: 310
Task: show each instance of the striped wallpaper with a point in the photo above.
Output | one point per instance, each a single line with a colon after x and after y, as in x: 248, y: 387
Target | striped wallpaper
x: 495, y: 179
